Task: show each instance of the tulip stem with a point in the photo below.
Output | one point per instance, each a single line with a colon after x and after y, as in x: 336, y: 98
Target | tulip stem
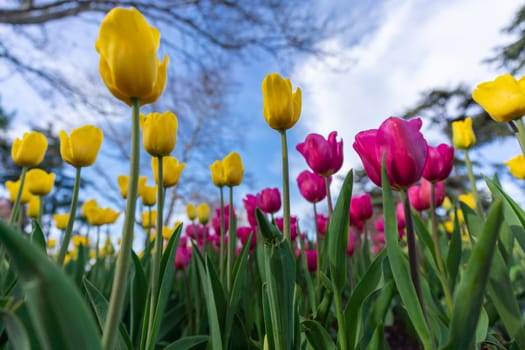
x: 437, y: 249
x: 16, y: 206
x: 157, y: 252
x: 231, y: 242
x: 318, y: 246
x: 286, y: 185
x: 120, y: 281
x: 222, y: 228
x: 412, y: 252
x: 521, y: 134
x: 329, y: 197
x: 473, y: 187
x: 40, y: 210
x: 71, y: 220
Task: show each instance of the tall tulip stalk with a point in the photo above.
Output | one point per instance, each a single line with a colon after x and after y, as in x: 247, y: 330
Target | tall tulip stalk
x: 281, y: 110
x: 127, y: 44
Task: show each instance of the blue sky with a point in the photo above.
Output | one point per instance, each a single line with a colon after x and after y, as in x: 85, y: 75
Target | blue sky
x: 399, y: 48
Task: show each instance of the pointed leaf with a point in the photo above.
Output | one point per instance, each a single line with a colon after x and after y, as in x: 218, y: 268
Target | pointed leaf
x: 317, y: 336
x: 16, y: 331
x: 187, y: 343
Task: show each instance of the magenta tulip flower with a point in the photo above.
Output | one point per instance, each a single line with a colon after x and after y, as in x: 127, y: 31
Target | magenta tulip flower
x: 311, y: 259
x: 293, y: 226
x: 361, y: 208
x: 404, y: 147
x: 440, y: 161
x: 416, y: 199
x: 439, y: 192
x: 269, y: 200
x: 250, y: 204
x: 182, y: 258
x: 244, y: 232
x: 324, y: 157
x: 311, y: 186
x: 322, y: 223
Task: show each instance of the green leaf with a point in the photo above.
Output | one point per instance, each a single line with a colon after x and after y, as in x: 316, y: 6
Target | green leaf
x: 399, y: 266
x: 366, y: 286
x: 138, y: 295
x: 167, y: 271
x: 454, y: 254
x: 378, y: 339
x: 100, y: 306
x: 59, y: 313
x: 239, y: 273
x: 187, y: 343
x: 502, y: 296
x: 337, y: 237
x: 469, y: 297
x: 16, y: 332
x: 317, y: 336
x: 37, y: 236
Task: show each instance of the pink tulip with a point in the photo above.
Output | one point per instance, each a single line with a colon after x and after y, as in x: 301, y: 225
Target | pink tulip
x: 311, y: 259
x: 416, y: 199
x: 324, y: 157
x: 322, y: 224
x: 250, y: 204
x: 311, y: 186
x: 182, y: 258
x: 243, y: 232
x: 380, y: 224
x: 440, y: 161
x: 269, y: 200
x: 293, y: 226
x: 404, y: 147
x: 400, y: 216
x: 361, y: 208
x: 439, y: 192
x: 197, y: 231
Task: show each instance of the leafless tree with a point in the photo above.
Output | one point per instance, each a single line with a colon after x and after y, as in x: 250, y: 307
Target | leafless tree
x: 204, y: 39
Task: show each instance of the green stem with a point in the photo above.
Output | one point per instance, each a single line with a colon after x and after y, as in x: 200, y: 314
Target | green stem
x: 16, y: 206
x: 231, y: 242
x: 157, y: 252
x: 120, y: 280
x: 97, y: 247
x: 318, y: 248
x: 221, y: 248
x: 437, y: 250
x: 71, y: 220
x: 521, y: 134
x: 40, y: 210
x: 286, y: 186
x: 329, y: 197
x: 473, y: 187
x: 412, y: 251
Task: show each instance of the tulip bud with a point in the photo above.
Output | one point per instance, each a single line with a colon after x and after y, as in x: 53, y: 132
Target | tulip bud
x: 80, y: 149
x: 191, y: 211
x: 361, y: 208
x: 324, y: 157
x: 203, y: 213
x: 517, y: 166
x: 311, y: 259
x: 233, y: 169
x: 148, y: 195
x: 148, y: 222
x: 61, y: 220
x: 269, y: 200
x: 311, y: 186
x: 463, y: 136
x: 159, y: 133
x: 281, y: 106
x: 440, y: 161
x: 217, y: 173
x: 30, y: 149
x: 33, y: 207
x: 172, y: 170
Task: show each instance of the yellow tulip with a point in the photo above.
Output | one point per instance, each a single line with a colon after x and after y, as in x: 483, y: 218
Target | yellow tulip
x: 92, y: 203
x: 462, y: 134
x: 81, y: 148
x: 171, y: 171
x: 145, y: 218
x: 449, y: 226
x: 503, y: 98
x: 78, y: 240
x: 517, y: 166
x: 30, y: 149
x: 149, y: 195
x: 123, y: 183
x: 61, y: 220
x: 13, y: 186
x: 33, y: 207
x: 203, y: 213
x: 191, y: 211
x: 128, y: 64
x: 110, y: 216
x: 233, y: 169
x: 39, y: 182
x: 447, y: 204
x: 468, y: 199
x: 217, y: 173
x: 167, y: 232
x: 51, y: 243
x: 95, y: 216
x: 159, y: 133
x: 281, y: 106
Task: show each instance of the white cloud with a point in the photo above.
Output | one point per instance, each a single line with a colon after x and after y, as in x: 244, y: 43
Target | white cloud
x: 418, y: 45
